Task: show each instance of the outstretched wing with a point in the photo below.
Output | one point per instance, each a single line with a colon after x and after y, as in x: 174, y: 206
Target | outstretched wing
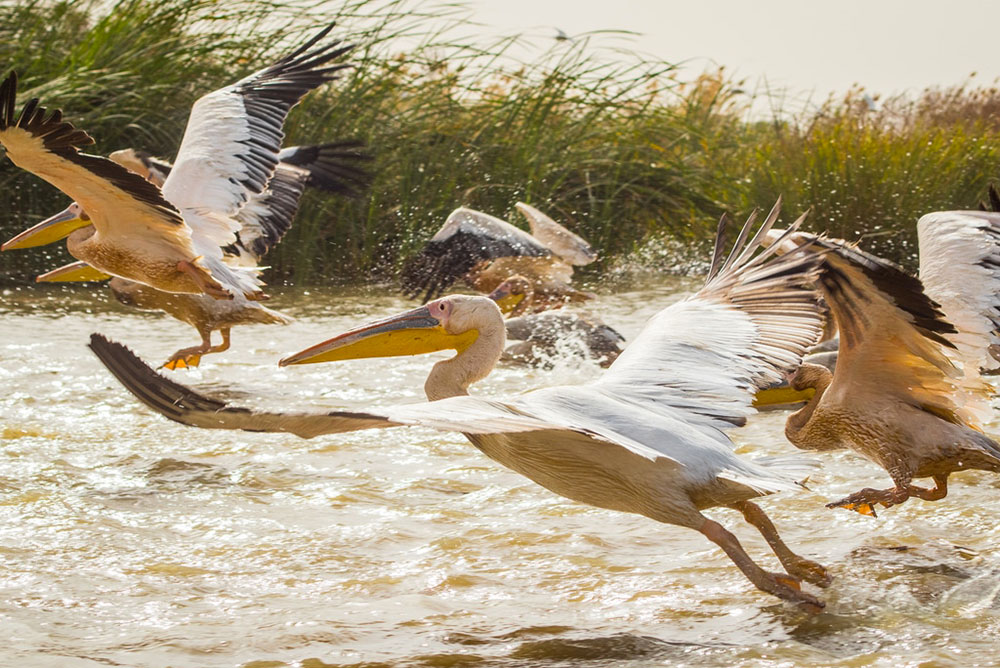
x: 116, y: 200
x: 703, y: 358
x: 233, y: 137
x: 467, y: 238
x: 893, y: 337
x: 184, y: 405
x: 570, y: 247
x: 960, y: 270
x: 336, y: 167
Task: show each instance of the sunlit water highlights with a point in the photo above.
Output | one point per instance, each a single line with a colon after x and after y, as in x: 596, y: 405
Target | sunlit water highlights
x: 130, y: 540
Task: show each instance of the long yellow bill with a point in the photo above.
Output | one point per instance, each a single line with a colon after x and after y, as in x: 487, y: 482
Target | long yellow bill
x: 412, y: 333
x: 782, y: 395
x: 74, y: 272
x: 505, y: 299
x: 50, y: 230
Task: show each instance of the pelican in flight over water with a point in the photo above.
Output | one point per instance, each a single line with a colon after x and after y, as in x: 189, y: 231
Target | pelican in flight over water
x: 648, y: 437
x: 332, y: 167
x: 896, y: 397
x: 170, y: 239
x: 485, y: 251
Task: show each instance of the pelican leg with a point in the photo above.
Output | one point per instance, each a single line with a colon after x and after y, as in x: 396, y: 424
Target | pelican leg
x: 186, y: 358
x: 800, y: 567
x: 939, y: 492
x: 779, y: 584
x: 225, y: 342
x: 203, y: 280
x: 864, y: 501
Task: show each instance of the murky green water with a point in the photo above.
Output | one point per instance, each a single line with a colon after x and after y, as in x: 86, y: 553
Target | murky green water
x: 128, y: 540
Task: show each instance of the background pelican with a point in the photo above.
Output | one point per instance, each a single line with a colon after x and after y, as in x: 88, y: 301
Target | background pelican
x: 540, y: 337
x: 172, y: 240
x: 332, y: 167
x: 648, y: 437
x: 896, y: 397
x: 485, y: 251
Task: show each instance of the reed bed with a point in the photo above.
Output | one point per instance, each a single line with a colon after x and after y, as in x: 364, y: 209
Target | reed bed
x: 613, y: 144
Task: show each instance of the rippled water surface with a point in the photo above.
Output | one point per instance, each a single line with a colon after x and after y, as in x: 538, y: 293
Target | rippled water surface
x: 130, y: 540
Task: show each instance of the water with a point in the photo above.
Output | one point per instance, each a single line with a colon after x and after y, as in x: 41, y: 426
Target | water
x: 129, y: 540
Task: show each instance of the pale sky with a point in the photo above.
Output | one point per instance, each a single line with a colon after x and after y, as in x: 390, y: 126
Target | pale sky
x: 889, y: 46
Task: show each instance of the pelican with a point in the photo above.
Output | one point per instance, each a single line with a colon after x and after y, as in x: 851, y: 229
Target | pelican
x: 648, y: 437
x: 540, y: 336
x: 171, y: 239
x: 264, y: 221
x: 486, y: 251
x: 960, y: 271
x: 896, y: 397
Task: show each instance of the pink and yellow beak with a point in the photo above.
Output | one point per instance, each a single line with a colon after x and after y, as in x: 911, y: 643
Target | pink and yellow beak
x: 505, y: 298
x: 412, y: 333
x: 50, y: 230
x: 74, y: 272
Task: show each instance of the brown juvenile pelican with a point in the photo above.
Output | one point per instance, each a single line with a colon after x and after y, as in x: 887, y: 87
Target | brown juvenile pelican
x: 485, y: 251
x: 264, y: 220
x: 895, y: 397
x: 648, y: 437
x: 171, y: 239
x: 542, y: 336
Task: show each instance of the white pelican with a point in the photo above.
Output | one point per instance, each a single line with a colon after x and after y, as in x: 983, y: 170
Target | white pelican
x: 486, y: 251
x: 648, y: 437
x: 541, y: 336
x: 264, y: 220
x: 895, y: 397
x: 172, y: 239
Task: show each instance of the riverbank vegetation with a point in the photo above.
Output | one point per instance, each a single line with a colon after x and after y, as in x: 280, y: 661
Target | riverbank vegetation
x: 617, y: 146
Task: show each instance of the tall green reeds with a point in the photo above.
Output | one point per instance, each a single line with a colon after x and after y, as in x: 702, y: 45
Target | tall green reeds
x: 610, y: 143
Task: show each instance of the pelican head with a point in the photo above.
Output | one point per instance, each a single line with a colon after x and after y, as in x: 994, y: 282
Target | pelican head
x: 450, y: 323
x: 52, y: 229
x: 513, y: 295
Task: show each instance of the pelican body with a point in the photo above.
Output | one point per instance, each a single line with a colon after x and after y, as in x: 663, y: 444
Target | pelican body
x: 895, y: 396
x: 485, y: 251
x: 648, y: 437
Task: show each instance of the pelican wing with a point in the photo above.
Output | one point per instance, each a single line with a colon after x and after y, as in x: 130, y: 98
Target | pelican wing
x: 233, y: 136
x: 564, y: 412
x: 332, y: 167
x: 704, y: 357
x: 467, y: 238
x: 893, y: 337
x: 268, y: 216
x: 562, y: 242
x: 336, y: 167
x: 117, y: 200
x: 184, y: 405
x: 960, y: 270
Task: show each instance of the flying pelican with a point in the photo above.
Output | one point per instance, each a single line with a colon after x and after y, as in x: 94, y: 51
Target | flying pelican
x: 171, y: 239
x: 541, y: 336
x: 265, y: 219
x: 960, y: 272
x: 648, y: 437
x: 486, y: 251
x: 895, y: 397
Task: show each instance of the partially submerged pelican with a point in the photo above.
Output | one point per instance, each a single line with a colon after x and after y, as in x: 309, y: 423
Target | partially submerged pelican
x: 172, y: 239
x: 485, y: 251
x: 540, y: 337
x: 648, y: 437
x: 264, y: 221
x: 895, y: 397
